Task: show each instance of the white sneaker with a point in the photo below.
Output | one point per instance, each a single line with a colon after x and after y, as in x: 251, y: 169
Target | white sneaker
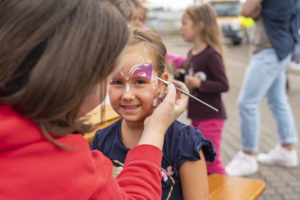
x: 279, y: 156
x: 242, y: 164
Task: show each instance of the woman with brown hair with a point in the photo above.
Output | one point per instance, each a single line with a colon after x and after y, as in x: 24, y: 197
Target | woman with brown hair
x: 55, y: 60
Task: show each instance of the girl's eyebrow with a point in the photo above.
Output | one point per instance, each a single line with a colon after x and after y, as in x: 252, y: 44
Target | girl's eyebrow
x: 119, y: 76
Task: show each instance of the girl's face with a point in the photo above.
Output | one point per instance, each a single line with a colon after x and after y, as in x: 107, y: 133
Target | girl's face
x: 188, y: 29
x: 133, y: 91
x: 137, y: 18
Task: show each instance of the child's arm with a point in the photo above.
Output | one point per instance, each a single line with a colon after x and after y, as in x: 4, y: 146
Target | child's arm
x: 193, y: 177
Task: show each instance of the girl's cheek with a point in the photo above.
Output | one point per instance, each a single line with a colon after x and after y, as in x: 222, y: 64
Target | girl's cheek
x: 112, y: 95
x: 149, y: 96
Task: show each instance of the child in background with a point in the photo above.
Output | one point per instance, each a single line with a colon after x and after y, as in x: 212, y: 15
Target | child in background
x: 139, y: 15
x: 138, y: 20
x: 205, y: 75
x: 134, y: 94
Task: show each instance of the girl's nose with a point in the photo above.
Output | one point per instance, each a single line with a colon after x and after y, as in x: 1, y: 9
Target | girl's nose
x: 128, y: 93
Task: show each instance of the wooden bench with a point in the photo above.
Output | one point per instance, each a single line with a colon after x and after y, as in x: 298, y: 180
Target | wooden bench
x: 94, y: 117
x: 234, y: 188
x: 220, y: 187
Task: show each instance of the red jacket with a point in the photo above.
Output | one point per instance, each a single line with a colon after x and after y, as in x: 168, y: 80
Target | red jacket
x: 33, y: 168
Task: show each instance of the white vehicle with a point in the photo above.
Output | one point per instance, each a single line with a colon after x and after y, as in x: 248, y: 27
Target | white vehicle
x: 228, y: 19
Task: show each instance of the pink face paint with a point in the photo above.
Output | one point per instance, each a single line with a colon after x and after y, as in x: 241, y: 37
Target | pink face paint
x: 119, y: 75
x: 144, y: 71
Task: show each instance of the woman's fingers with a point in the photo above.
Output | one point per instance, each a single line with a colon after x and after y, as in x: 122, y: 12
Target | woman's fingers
x: 164, y: 115
x: 181, y: 98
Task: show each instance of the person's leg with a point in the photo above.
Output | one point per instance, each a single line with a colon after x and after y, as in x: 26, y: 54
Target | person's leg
x: 278, y: 103
x: 212, y: 130
x: 283, y: 154
x: 260, y: 76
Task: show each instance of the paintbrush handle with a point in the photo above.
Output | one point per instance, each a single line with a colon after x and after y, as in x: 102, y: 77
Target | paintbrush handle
x: 182, y: 91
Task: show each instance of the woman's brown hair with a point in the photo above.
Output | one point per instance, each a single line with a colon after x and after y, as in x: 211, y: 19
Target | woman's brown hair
x: 210, y: 33
x: 126, y: 7
x: 157, y: 49
x: 52, y: 54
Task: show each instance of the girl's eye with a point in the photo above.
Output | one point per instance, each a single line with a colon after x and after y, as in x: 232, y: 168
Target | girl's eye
x: 140, y: 82
x: 116, y: 82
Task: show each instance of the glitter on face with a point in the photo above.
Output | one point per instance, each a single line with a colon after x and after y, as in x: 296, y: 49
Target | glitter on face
x: 127, y: 87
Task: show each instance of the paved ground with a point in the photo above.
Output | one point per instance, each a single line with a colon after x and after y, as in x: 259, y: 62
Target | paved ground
x: 282, y: 183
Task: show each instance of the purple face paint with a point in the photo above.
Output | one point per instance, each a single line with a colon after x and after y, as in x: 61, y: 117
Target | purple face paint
x: 119, y: 76
x: 143, y: 71
x: 139, y: 71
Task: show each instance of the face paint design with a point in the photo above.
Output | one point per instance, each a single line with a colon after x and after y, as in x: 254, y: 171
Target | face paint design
x: 119, y: 75
x: 144, y: 71
x: 137, y: 71
x: 127, y: 87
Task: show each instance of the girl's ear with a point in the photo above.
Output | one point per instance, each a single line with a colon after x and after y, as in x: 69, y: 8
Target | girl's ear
x: 165, y: 76
x: 162, y: 86
x: 200, y: 25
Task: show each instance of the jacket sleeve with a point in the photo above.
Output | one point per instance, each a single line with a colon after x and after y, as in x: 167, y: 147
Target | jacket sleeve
x: 218, y: 81
x: 140, y: 178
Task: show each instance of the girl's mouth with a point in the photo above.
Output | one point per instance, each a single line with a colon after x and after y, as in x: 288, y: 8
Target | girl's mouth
x: 130, y: 108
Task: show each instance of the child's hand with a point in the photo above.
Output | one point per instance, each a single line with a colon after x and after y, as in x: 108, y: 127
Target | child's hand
x: 192, y: 82
x: 164, y: 115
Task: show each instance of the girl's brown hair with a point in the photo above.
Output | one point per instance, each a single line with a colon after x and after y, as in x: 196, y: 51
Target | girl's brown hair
x: 157, y: 49
x: 210, y: 33
x: 52, y: 54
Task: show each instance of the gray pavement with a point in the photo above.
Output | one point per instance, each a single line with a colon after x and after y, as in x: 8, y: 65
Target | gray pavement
x: 282, y: 183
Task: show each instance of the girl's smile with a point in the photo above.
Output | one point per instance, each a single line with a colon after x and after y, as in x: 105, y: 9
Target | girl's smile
x: 129, y: 109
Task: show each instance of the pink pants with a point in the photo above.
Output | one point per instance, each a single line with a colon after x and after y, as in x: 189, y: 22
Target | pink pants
x: 212, y: 130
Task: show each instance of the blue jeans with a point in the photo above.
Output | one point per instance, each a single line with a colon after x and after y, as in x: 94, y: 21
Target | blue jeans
x: 265, y: 76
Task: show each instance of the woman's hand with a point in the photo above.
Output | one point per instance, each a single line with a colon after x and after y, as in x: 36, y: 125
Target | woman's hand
x: 164, y: 115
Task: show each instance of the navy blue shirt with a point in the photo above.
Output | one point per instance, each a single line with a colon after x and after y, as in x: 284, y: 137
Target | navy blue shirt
x: 279, y: 18
x: 182, y: 143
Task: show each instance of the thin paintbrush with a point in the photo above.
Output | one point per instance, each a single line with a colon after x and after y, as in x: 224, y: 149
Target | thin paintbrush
x: 166, y: 82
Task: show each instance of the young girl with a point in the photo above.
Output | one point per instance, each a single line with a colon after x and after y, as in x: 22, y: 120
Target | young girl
x: 205, y: 76
x: 133, y: 95
x: 55, y: 59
